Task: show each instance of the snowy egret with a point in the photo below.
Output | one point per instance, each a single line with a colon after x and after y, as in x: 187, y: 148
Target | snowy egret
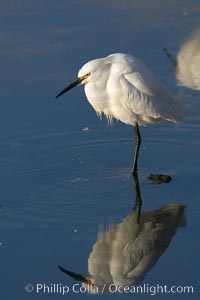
x: 123, y: 254
x: 121, y: 87
x: 188, y: 63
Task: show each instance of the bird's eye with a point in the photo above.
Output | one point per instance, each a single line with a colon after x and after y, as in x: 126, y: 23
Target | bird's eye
x: 88, y: 281
x: 86, y: 76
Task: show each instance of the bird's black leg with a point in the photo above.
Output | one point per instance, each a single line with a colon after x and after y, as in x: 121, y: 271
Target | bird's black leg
x: 138, y: 198
x: 138, y: 141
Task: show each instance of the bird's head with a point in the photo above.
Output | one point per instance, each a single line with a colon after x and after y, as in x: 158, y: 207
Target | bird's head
x: 86, y: 280
x: 93, y: 284
x: 91, y: 71
x: 79, y: 277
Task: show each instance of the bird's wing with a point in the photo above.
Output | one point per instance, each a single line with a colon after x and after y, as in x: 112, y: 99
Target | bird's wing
x: 134, y: 257
x: 146, y: 251
x: 147, y: 97
x: 133, y: 253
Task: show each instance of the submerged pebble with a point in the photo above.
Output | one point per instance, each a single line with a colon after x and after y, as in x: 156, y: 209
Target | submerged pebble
x: 159, y: 178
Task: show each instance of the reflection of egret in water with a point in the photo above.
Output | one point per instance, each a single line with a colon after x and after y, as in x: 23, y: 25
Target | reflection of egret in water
x: 123, y: 254
x: 188, y: 62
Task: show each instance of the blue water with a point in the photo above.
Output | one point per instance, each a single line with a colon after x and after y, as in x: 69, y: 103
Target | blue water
x: 58, y: 182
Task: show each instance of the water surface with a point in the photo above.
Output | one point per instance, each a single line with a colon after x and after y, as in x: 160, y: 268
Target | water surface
x: 59, y: 182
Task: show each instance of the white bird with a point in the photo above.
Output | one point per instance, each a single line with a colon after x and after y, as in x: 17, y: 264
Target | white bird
x: 124, y: 254
x: 121, y: 87
x: 188, y: 63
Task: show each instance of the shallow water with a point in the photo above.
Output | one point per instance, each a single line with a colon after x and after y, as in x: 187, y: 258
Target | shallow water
x: 59, y: 182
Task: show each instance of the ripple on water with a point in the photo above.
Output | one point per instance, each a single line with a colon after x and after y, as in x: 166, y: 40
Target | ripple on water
x: 55, y: 177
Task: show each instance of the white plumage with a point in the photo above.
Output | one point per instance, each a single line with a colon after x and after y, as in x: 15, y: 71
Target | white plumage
x: 121, y: 87
x: 188, y: 62
x: 124, y: 254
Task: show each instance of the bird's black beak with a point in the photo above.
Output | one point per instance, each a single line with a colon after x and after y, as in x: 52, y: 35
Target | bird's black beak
x: 73, y: 275
x: 69, y: 87
x: 73, y: 84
